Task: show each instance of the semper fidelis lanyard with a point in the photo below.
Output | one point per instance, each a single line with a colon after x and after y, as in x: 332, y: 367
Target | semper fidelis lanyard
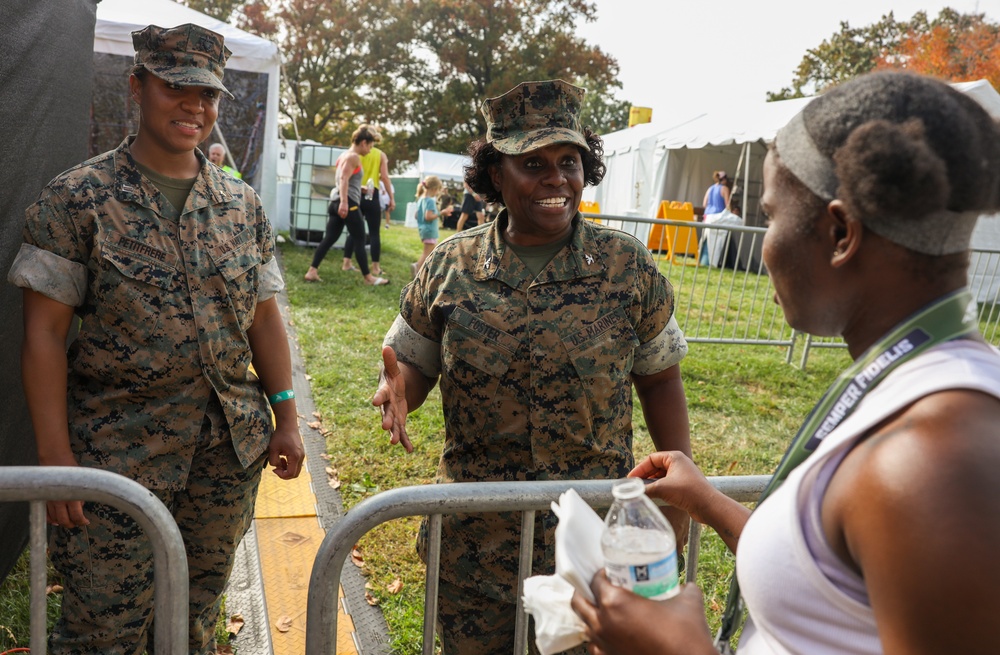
x: 950, y: 317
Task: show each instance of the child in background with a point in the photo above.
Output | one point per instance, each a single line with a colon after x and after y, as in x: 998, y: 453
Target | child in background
x: 427, y: 216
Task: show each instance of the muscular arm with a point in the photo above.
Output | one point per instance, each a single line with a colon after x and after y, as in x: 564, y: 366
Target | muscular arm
x: 665, y: 408
x: 914, y: 509
x: 44, y: 371
x: 272, y: 362
x: 345, y: 167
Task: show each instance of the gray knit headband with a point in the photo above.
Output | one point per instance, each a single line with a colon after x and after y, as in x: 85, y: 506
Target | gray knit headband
x: 939, y: 233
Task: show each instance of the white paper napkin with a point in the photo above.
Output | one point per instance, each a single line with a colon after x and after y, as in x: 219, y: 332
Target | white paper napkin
x: 578, y: 558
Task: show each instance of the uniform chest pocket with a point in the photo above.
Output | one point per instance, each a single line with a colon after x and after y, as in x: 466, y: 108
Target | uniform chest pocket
x: 475, y: 356
x: 132, y: 289
x: 238, y: 261
x: 604, y: 349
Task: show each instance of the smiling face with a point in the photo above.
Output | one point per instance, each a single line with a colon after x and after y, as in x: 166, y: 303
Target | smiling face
x: 542, y: 190
x: 173, y: 119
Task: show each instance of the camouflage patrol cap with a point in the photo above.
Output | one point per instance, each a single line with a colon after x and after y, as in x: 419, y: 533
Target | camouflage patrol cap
x: 186, y: 55
x: 533, y: 115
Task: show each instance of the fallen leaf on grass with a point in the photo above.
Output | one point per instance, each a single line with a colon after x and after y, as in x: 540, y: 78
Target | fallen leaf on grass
x: 224, y: 649
x: 235, y: 624
x: 395, y: 586
x: 315, y: 425
x: 318, y: 415
x: 284, y: 624
x: 325, y: 456
x: 732, y: 465
x: 371, y: 600
x: 357, y: 558
x: 369, y: 585
x: 53, y: 589
x: 308, y: 377
x: 714, y: 605
x: 332, y: 478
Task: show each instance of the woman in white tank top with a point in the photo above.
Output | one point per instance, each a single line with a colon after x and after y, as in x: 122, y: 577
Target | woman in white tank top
x: 885, y: 538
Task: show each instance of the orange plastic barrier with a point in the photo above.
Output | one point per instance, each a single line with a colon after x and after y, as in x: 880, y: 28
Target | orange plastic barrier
x: 674, y: 239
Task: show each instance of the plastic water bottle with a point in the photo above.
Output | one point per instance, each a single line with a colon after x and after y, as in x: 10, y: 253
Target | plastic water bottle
x: 370, y: 190
x: 640, y: 549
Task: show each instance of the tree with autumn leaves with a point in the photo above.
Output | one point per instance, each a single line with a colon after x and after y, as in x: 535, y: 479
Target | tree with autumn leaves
x: 955, y: 47
x: 421, y: 69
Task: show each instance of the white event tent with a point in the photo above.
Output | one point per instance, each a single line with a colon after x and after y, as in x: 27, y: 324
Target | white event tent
x: 653, y: 162
x: 117, y: 19
x: 448, y: 167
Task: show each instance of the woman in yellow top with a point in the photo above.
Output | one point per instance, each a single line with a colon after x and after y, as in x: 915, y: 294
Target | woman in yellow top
x: 374, y: 169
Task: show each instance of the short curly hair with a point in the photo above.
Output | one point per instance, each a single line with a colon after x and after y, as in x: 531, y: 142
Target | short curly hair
x: 485, y: 157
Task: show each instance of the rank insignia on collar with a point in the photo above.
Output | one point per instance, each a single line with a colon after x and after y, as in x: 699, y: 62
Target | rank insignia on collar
x: 589, y: 258
x: 128, y: 188
x: 489, y: 261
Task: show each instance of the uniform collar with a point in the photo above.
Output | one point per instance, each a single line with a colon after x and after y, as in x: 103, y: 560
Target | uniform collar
x: 580, y: 258
x: 131, y: 186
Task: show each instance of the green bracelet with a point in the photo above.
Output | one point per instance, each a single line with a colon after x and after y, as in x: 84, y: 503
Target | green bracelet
x: 280, y: 396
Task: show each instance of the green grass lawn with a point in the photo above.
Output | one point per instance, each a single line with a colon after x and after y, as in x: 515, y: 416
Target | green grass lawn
x: 745, y: 403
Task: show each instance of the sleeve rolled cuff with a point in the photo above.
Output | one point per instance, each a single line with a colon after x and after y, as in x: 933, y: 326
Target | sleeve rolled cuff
x: 271, y: 281
x: 413, y: 348
x: 664, y: 350
x: 49, y: 274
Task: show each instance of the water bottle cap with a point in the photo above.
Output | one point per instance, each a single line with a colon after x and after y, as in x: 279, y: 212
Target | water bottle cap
x: 628, y: 488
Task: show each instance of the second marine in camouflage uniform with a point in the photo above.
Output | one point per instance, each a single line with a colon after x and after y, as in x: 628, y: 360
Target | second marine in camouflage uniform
x: 535, y: 372
x: 174, y: 293
x: 538, y: 325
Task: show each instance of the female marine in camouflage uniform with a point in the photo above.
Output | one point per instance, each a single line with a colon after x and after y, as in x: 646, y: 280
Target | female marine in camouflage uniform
x: 168, y: 263
x: 538, y: 324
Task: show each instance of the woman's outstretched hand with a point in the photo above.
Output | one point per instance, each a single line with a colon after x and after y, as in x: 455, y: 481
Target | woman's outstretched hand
x: 391, y: 399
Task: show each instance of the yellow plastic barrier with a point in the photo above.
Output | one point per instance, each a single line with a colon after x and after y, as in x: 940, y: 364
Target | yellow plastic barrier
x: 590, y: 207
x: 674, y: 239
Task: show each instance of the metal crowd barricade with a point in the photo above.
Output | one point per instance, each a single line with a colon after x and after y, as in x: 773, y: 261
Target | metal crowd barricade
x: 730, y: 300
x: 467, y: 497
x: 38, y: 484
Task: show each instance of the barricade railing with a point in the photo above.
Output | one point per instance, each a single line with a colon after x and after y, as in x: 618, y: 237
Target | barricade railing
x: 38, y: 484
x: 730, y: 299
x: 437, y: 500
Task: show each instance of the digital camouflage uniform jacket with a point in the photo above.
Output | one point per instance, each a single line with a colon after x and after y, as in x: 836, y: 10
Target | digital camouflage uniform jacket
x: 535, y: 372
x: 164, y: 306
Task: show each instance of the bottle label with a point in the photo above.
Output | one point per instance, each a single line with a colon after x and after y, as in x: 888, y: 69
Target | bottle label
x: 656, y: 580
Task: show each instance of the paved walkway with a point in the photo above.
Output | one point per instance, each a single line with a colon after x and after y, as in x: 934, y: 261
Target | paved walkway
x: 270, y: 582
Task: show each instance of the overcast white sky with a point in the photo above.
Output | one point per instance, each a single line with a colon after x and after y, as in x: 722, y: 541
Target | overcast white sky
x: 683, y: 56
